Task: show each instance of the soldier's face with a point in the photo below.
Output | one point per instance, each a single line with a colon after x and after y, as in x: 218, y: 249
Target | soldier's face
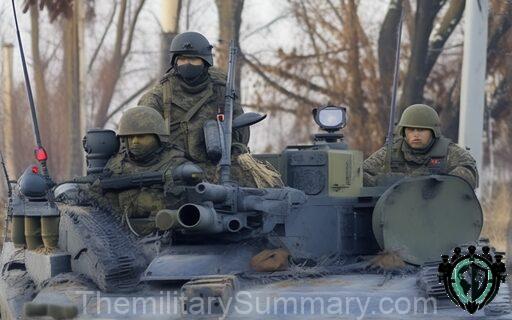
x: 142, y: 144
x: 418, y: 138
x: 195, y: 61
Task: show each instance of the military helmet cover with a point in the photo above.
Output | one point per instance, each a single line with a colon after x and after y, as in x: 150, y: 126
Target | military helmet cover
x: 420, y: 116
x: 142, y: 120
x: 191, y: 44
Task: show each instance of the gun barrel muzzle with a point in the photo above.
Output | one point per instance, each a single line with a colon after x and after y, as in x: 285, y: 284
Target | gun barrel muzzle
x: 212, y: 192
x: 233, y: 224
x: 198, y: 218
x: 166, y: 219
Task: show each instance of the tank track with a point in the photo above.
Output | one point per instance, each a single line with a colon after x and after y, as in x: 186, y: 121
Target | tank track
x: 428, y: 282
x: 101, y: 248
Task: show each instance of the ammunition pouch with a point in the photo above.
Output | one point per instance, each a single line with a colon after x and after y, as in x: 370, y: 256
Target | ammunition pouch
x: 212, y: 140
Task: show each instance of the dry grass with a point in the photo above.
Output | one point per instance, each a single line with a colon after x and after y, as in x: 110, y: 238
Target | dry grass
x: 497, y: 211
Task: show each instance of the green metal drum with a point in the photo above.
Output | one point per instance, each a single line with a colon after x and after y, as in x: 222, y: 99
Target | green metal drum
x: 424, y: 217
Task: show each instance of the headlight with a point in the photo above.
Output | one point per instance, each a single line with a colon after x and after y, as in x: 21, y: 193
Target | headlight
x: 331, y: 118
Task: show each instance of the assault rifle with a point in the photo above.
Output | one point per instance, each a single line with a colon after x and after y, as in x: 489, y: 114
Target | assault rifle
x: 225, y: 119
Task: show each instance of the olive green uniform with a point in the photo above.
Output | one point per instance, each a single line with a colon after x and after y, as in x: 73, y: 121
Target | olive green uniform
x: 146, y: 201
x: 160, y: 156
x: 186, y: 109
x: 440, y: 156
x: 455, y: 161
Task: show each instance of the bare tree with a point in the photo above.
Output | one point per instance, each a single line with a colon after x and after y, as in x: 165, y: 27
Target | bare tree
x: 59, y: 104
x: 336, y: 62
x: 230, y: 21
x: 110, y: 70
x: 170, y: 21
x: 416, y: 75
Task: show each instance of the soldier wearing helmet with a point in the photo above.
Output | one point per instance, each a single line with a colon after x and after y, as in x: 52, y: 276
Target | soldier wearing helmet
x: 144, y: 148
x: 421, y: 149
x: 189, y: 94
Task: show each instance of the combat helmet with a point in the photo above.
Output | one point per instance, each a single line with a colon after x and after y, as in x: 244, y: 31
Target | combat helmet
x: 420, y: 116
x: 143, y: 120
x: 191, y: 44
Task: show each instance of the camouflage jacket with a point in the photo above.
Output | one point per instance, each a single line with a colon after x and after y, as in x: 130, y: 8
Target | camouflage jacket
x: 447, y: 159
x: 146, y: 201
x: 186, y: 109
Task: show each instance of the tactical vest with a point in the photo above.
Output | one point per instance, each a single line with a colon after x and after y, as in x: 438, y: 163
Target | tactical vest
x: 186, y: 112
x: 438, y: 157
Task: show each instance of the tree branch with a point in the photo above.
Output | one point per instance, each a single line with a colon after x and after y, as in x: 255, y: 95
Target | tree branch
x: 277, y: 86
x: 497, y: 31
x: 266, y: 25
x: 387, y: 48
x: 103, y: 36
x: 271, y: 107
x: 119, y: 30
x: 129, y: 99
x: 313, y: 42
x: 448, y: 24
x: 132, y: 30
x: 293, y: 56
x: 289, y: 76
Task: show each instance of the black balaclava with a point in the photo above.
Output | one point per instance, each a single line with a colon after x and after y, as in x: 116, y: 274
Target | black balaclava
x: 192, y: 75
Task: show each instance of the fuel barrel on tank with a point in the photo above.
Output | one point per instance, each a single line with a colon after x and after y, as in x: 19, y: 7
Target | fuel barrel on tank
x: 422, y: 218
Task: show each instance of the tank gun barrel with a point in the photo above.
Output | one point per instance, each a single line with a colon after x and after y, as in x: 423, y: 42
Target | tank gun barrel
x: 196, y: 218
x: 213, y: 192
x: 239, y: 203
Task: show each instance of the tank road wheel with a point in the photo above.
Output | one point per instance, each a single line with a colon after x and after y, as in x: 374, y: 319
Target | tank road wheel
x: 100, y: 248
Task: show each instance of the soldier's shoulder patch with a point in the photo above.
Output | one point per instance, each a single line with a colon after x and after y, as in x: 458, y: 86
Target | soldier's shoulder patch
x: 435, y: 161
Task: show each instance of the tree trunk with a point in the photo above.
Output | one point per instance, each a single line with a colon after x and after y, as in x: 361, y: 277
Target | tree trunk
x: 170, y: 21
x: 416, y: 76
x: 8, y: 112
x: 72, y: 76
x: 230, y: 20
x: 388, y: 37
x: 110, y: 72
x: 354, y: 74
x: 42, y: 105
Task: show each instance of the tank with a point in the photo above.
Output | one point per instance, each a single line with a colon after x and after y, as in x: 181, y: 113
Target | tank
x: 330, y: 246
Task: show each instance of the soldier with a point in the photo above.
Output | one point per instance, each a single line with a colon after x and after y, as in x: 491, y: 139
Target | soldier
x: 421, y: 149
x: 144, y: 148
x: 188, y: 95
